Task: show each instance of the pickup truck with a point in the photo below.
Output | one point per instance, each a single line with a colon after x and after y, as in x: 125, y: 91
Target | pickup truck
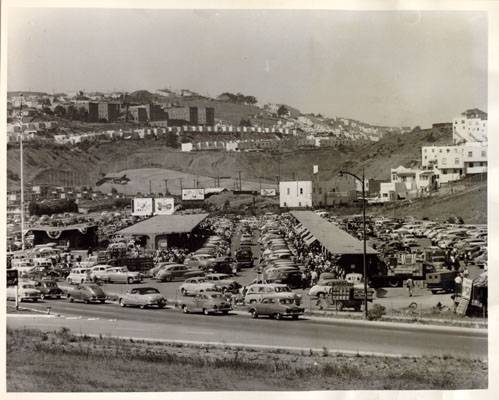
x: 207, y: 303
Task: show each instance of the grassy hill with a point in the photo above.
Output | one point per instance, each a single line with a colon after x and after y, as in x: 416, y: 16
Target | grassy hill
x: 42, y: 163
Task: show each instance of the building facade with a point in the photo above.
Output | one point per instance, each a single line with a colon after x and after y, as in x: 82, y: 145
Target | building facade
x: 471, y: 126
x: 295, y: 194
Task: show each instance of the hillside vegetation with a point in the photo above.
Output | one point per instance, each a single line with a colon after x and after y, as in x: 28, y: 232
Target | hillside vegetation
x: 91, y: 161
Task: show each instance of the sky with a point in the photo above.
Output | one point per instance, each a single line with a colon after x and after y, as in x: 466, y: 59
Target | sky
x: 396, y: 68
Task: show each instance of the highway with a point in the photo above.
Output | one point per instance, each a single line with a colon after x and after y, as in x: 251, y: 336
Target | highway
x: 170, y: 324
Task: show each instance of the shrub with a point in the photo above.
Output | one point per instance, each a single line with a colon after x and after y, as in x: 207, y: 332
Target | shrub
x: 376, y: 312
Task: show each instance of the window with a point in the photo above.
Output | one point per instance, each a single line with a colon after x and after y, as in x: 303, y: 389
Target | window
x: 301, y: 190
x: 456, y: 161
x: 471, y: 165
x: 444, y: 161
x: 299, y: 204
x: 470, y: 154
x: 287, y: 191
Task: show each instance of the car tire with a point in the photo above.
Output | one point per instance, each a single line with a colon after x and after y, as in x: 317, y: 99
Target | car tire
x: 185, y: 310
x: 142, y: 306
x: 42, y: 297
x: 161, y: 305
x: 252, y: 301
x: 295, y: 317
x: 254, y: 314
x: 393, y: 283
x: 225, y: 312
x: 205, y: 311
x: 35, y: 300
x: 433, y: 291
x: 86, y: 301
x: 278, y: 316
x: 58, y: 297
x: 70, y: 299
x: 122, y: 303
x: 102, y: 301
x: 129, y: 281
x: 183, y: 291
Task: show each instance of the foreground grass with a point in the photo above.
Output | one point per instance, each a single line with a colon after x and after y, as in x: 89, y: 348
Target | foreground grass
x: 59, y: 361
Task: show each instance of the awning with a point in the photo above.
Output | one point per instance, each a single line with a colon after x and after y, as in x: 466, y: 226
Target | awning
x: 329, y: 235
x: 165, y: 224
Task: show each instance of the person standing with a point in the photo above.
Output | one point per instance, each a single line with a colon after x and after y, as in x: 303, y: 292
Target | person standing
x: 410, y: 286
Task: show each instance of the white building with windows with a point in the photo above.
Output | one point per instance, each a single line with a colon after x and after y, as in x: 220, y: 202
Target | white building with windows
x: 295, y: 194
x: 471, y: 126
x: 452, y: 163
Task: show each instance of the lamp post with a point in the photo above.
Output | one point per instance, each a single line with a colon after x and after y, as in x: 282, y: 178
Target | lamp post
x: 362, y: 181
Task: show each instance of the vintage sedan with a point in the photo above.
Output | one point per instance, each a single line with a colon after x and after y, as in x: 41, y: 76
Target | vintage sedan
x: 48, y: 289
x: 177, y: 271
x: 143, y: 297
x: 26, y: 291
x: 276, y: 307
x: 86, y: 293
x: 121, y: 275
x: 207, y: 303
x: 196, y: 285
x: 223, y: 282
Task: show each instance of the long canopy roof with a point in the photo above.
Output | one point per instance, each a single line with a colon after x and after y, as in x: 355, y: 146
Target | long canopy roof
x: 334, y: 239
x: 165, y: 224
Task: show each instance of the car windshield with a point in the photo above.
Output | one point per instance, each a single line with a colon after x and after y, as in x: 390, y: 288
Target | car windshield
x: 286, y: 301
x: 28, y: 287
x: 282, y: 289
x: 50, y: 284
x: 148, y: 291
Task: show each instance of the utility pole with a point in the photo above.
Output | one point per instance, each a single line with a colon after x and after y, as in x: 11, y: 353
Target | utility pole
x: 240, y: 183
x: 150, y: 187
x: 166, y: 186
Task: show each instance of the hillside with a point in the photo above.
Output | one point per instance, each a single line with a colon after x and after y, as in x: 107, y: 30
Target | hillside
x: 43, y: 164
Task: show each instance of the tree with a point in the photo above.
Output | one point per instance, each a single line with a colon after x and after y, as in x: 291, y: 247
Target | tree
x: 282, y: 111
x: 60, y: 111
x: 245, y: 122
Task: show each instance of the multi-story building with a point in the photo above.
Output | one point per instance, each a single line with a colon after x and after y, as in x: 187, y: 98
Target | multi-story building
x: 452, y: 163
x: 295, y: 194
x: 108, y: 112
x: 90, y: 107
x: 416, y: 181
x: 471, y: 126
x: 206, y: 116
x: 334, y: 191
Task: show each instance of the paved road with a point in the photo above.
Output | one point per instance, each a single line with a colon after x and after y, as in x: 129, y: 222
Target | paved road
x: 110, y: 319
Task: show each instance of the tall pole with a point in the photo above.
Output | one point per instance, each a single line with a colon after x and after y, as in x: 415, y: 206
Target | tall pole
x: 150, y: 187
x: 364, y: 237
x: 22, y: 174
x: 240, y: 184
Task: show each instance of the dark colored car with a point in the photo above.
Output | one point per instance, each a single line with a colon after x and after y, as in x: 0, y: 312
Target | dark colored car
x: 86, y: 293
x: 177, y: 271
x: 290, y: 277
x: 48, y: 289
x: 223, y: 265
x: 276, y: 307
x: 244, y: 258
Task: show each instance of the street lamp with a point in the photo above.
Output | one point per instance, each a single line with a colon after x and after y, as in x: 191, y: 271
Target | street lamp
x: 362, y: 181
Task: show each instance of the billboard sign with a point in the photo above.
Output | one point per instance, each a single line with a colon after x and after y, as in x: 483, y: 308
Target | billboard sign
x: 466, y: 288
x: 142, y: 206
x: 268, y: 192
x: 192, y: 194
x: 164, y: 206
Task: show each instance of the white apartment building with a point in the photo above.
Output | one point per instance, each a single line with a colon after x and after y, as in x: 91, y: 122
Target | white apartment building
x: 416, y: 180
x: 471, y: 126
x: 452, y: 163
x: 295, y: 194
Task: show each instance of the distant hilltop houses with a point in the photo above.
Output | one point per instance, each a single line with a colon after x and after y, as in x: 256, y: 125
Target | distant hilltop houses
x: 464, y: 157
x: 193, y: 118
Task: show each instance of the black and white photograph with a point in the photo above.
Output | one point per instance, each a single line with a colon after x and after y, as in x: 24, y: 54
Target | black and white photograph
x: 227, y: 198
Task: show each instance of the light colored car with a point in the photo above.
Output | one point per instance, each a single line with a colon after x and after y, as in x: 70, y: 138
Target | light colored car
x: 199, y: 260
x: 258, y: 291
x: 193, y: 286
x: 98, y: 272
x: 86, y: 293
x: 223, y: 282
x: 26, y: 291
x: 207, y: 303
x: 78, y: 275
x: 143, y: 297
x: 121, y: 275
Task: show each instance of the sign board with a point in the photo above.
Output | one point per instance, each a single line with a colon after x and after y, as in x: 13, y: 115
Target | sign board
x: 192, y: 194
x: 316, y: 169
x: 12, y: 277
x: 164, y: 206
x: 268, y: 192
x: 466, y: 288
x: 142, y: 206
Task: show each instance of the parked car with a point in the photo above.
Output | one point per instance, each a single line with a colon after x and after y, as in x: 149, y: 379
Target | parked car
x: 121, y: 275
x: 256, y: 292
x: 26, y: 291
x: 177, y: 271
x: 143, y: 297
x: 48, y: 289
x: 276, y: 307
x: 207, y: 303
x: 199, y: 260
x: 87, y: 293
x: 98, y: 272
x: 244, y: 258
x: 154, y: 270
x: 223, y: 282
x: 224, y: 265
x: 196, y: 285
x: 78, y: 275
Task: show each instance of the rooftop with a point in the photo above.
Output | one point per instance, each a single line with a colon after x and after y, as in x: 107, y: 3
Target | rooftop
x: 165, y: 224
